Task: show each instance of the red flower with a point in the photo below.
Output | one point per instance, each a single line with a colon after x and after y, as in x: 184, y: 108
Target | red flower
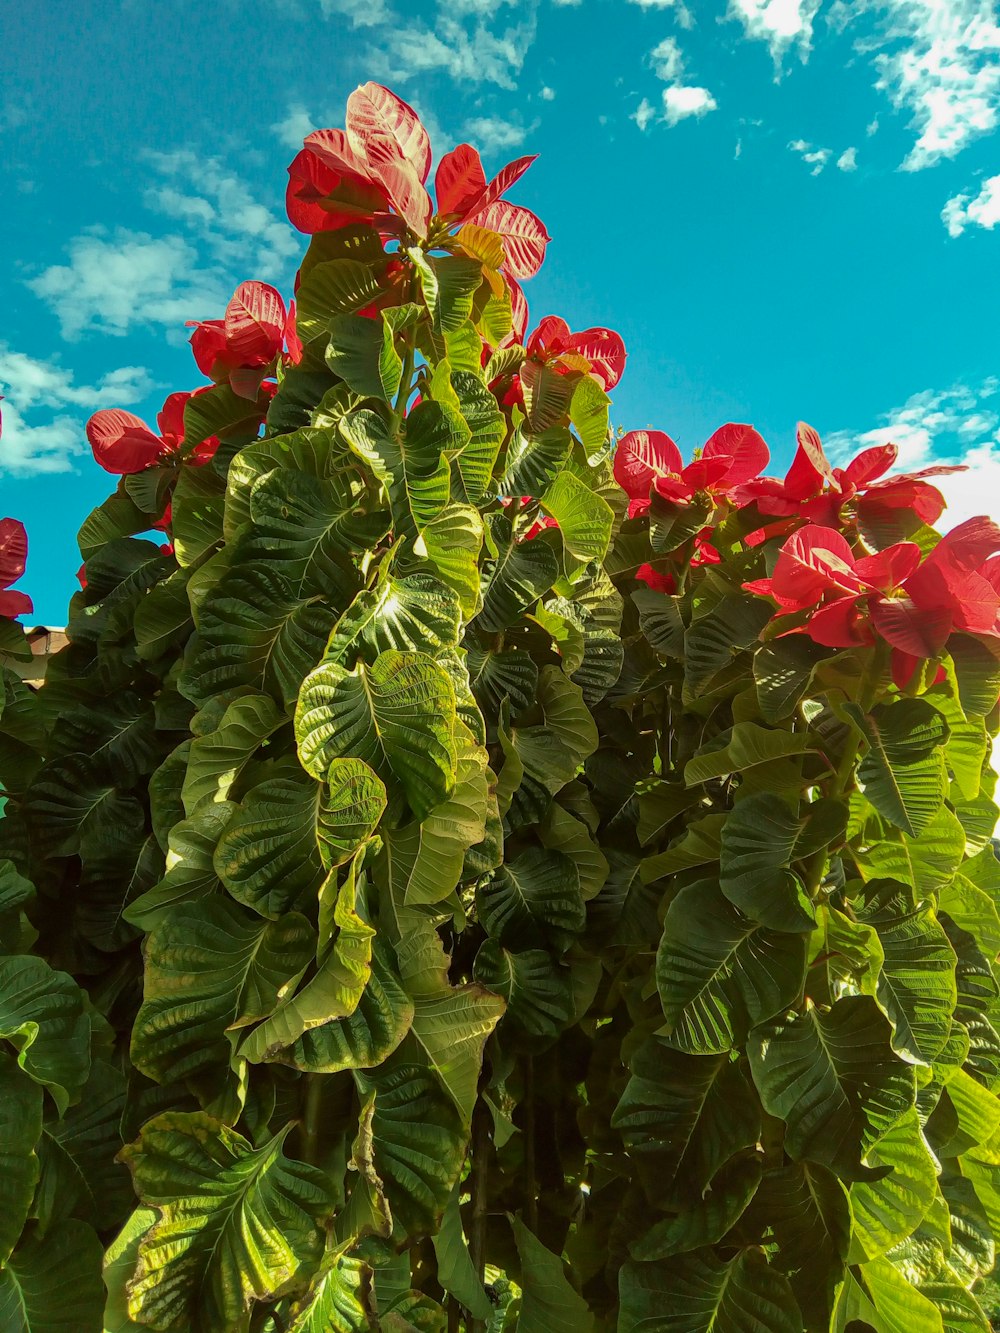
x: 13, y: 558
x: 648, y: 462
x: 655, y: 580
x: 241, y: 347
x: 122, y: 443
x: 598, y: 352
x: 816, y: 490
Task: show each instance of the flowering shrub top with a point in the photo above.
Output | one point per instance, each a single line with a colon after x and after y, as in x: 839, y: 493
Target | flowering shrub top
x: 470, y: 844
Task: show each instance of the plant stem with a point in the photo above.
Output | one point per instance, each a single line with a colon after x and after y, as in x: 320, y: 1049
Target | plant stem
x: 311, y: 1122
x: 530, y: 1169
x: 479, y: 1185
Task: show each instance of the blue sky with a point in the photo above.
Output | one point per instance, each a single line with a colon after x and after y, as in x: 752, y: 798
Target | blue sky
x: 788, y: 208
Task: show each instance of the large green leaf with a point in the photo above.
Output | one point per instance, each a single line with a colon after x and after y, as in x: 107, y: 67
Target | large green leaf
x: 746, y: 746
x: 487, y: 429
x: 903, y: 773
x: 190, y: 872
x: 927, y: 862
x: 682, y: 1117
x: 536, y: 988
x: 411, y: 1136
x: 332, y: 287
x: 398, y: 716
x: 516, y: 576
x: 835, y: 1081
x: 533, y: 897
x: 709, y: 1218
x: 76, y: 799
x: 411, y: 461
x: 52, y: 1283
x: 211, y: 966
x: 237, y: 1223
x: 332, y: 993
x: 366, y: 1037
x: 337, y: 1302
x: 20, y: 1130
x: 119, y: 1265
x: 719, y: 974
x: 701, y: 1293
x: 543, y: 757
x: 42, y: 1015
x: 916, y: 987
x: 449, y: 283
x: 880, y: 1297
x: 585, y: 518
x: 453, y: 540
x: 889, y: 1209
x: 216, y: 760
x: 416, y: 613
x: 549, y: 1303
x: 455, y: 1269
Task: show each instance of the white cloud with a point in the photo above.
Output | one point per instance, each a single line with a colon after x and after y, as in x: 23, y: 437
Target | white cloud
x: 493, y: 133
x: 780, y: 23
x: 848, y: 160
x: 872, y: 127
x: 940, y: 61
x: 817, y: 158
x: 681, y: 102
x: 469, y: 53
x: 981, y: 210
x: 294, y: 127
x: 116, y: 281
x: 644, y: 114
x: 547, y: 94
x: 956, y: 425
x: 681, y: 12
x: 667, y: 60
x: 39, y: 436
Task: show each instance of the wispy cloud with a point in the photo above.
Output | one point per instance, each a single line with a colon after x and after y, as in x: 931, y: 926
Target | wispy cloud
x: 782, y: 24
x: 122, y: 279
x: 939, y: 60
x: 467, y: 48
x: 681, y: 12
x: 817, y: 158
x: 492, y: 134
x: 956, y: 425
x: 848, y: 160
x: 44, y: 407
x: 978, y: 210
x: 294, y: 126
x: 679, y: 100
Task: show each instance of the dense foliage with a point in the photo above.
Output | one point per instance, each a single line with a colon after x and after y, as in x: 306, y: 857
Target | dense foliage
x: 470, y: 873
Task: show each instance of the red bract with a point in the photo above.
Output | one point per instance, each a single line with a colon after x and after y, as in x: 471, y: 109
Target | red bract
x: 241, y: 347
x: 814, y: 489
x: 122, y: 443
x: 655, y: 580
x: 599, y: 352
x: 13, y: 558
x: 649, y: 462
x: 913, y: 605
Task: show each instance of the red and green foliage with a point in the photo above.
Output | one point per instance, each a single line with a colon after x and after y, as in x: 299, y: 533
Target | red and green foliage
x: 479, y: 874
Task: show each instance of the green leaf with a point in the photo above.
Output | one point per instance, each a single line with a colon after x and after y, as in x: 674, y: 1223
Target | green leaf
x: 916, y: 986
x: 549, y: 1303
x: 563, y: 832
x: 211, y: 967
x: 700, y: 1293
x: 761, y: 838
x: 682, y: 1117
x: 397, y: 716
x: 708, y: 1219
x: 585, y: 518
x: 453, y: 540
x: 532, y: 462
x: 338, y: 1298
x: 268, y: 857
x: 362, y: 351
x: 903, y: 773
x: 547, y: 395
x: 314, y: 452
x: 77, y: 799
x: 196, y: 509
x: 42, y: 1015
x: 119, y: 1265
x: 545, y: 756
x: 782, y: 672
x: 335, y: 990
x: 977, y: 670
x: 417, y: 613
x: 215, y: 1251
x: 411, y: 462
x: 190, y: 873
x: 217, y: 759
x: 487, y: 429
x: 537, y: 991
x: 20, y: 1130
x: 411, y: 1136
x: 518, y: 574
x: 533, y: 897
x: 588, y: 411
x: 713, y: 640
x: 890, y: 1208
x: 835, y: 1081
x: 496, y: 676
x: 747, y: 746
x: 52, y: 1283
x: 449, y: 283
x: 881, y: 1297
x: 927, y: 862
x: 254, y: 630
x: 220, y: 411
x: 455, y: 1269
x: 334, y: 287
x: 719, y: 974
x: 366, y: 1037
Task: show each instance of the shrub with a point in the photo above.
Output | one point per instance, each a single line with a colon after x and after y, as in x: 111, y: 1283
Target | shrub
x: 468, y: 845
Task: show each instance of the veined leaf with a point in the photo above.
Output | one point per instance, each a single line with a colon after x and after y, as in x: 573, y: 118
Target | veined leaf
x: 52, y: 1283
x: 216, y: 760
x: 20, y: 1130
x: 215, y: 1251
x: 719, y: 974
x: 338, y: 1301
x: 190, y: 872
x: 549, y: 1303
x: 585, y: 518
x: 537, y: 895
x: 882, y: 1297
x: 835, y: 1081
x: 42, y: 1015
x: 747, y: 746
x: 708, y: 1219
x: 487, y: 429
x: 516, y: 577
x: 903, y: 773
x: 397, y: 716
x: 416, y: 613
x: 701, y: 1293
x: 453, y: 540
x: 332, y: 287
x: 537, y: 991
x: 890, y: 1208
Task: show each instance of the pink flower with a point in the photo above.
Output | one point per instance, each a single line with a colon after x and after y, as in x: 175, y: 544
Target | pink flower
x: 649, y: 463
